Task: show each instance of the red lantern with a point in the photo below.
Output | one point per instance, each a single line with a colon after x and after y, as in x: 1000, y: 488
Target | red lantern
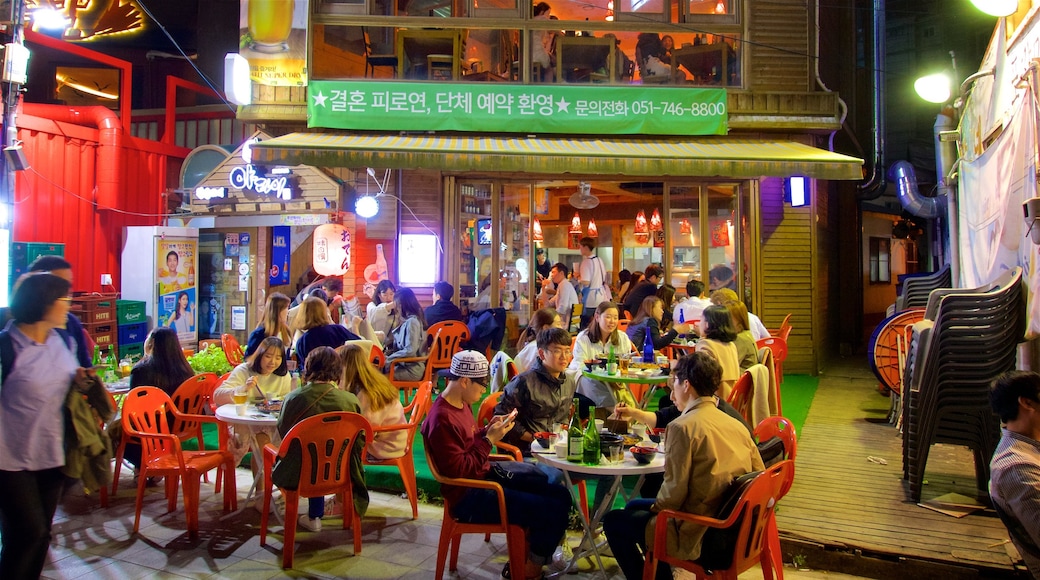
x: 538, y: 237
x: 685, y: 228
x: 575, y: 224
x: 642, y: 231
x: 655, y: 222
x: 593, y: 230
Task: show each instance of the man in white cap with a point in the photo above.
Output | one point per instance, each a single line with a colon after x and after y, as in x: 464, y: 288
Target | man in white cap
x: 459, y: 447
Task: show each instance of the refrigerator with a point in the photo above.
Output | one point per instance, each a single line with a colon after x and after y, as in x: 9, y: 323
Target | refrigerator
x: 160, y: 267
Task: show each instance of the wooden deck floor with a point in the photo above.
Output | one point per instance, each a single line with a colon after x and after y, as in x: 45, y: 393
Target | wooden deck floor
x: 841, y: 500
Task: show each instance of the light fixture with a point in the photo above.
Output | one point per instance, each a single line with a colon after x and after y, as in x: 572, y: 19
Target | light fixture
x: 610, y: 11
x: 720, y: 8
x: 655, y: 222
x: 934, y: 88
x: 237, y: 85
x: 998, y: 8
x: 366, y: 206
x: 15, y: 158
x: 685, y: 229
x: 642, y: 231
x: 50, y: 19
x: 796, y: 190
x: 538, y: 237
x: 575, y: 224
x: 593, y: 231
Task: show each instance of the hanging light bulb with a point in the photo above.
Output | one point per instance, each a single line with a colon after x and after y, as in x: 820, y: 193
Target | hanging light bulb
x: 575, y: 224
x: 685, y: 229
x: 720, y: 8
x: 538, y: 237
x: 593, y: 231
x: 655, y: 221
x: 366, y: 206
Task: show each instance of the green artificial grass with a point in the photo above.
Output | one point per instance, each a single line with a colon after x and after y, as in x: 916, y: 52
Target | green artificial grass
x: 796, y: 394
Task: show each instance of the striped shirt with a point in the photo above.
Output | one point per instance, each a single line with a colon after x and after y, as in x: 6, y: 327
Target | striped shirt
x: 1014, y: 485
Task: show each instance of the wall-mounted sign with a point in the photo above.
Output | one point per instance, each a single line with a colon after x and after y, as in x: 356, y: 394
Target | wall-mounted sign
x: 208, y: 193
x: 274, y: 41
x: 251, y: 178
x: 280, y: 254
x: 490, y: 107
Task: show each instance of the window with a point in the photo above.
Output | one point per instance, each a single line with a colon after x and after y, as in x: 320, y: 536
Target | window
x: 880, y: 261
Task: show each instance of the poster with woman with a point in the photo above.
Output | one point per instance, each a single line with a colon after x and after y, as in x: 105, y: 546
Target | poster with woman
x: 175, y: 276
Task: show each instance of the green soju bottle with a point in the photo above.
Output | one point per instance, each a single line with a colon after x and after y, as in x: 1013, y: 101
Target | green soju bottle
x: 590, y: 444
x: 97, y: 356
x: 575, y: 439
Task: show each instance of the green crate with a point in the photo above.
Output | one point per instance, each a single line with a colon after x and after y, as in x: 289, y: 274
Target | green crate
x: 135, y: 350
x: 130, y: 312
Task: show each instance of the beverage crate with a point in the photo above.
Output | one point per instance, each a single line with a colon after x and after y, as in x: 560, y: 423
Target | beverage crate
x: 132, y: 333
x: 103, y: 334
x: 23, y: 254
x: 134, y: 351
x: 130, y: 312
x: 95, y: 308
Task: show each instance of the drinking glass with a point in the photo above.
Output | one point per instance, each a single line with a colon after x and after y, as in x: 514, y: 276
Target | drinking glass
x: 623, y: 364
x: 616, y: 454
x: 240, y: 402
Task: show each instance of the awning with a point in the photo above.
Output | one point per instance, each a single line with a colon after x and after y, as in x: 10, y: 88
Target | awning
x: 552, y: 155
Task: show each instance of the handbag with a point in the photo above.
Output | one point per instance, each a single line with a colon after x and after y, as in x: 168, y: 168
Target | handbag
x: 517, y: 475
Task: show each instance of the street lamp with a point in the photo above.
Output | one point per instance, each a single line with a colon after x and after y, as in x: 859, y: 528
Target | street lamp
x: 999, y: 8
x: 934, y: 88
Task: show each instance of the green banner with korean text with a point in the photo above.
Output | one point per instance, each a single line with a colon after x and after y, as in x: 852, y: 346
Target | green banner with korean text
x: 509, y: 108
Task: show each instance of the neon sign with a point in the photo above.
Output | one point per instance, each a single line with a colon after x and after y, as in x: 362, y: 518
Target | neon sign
x: 249, y: 179
x: 208, y: 193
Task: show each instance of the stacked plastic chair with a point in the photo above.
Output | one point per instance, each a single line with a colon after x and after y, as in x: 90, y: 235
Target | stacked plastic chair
x: 968, y: 337
x: 917, y: 288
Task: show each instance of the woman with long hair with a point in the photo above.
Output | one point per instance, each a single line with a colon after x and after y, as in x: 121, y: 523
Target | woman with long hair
x: 183, y: 318
x: 667, y: 295
x: 380, y: 313
x: 408, y: 338
x: 747, y: 350
x: 717, y: 336
x: 527, y: 347
x: 318, y: 329
x: 624, y: 278
x: 648, y: 319
x: 380, y: 401
x: 595, y: 342
x: 32, y: 420
x: 163, y: 365
x: 274, y: 323
x: 634, y: 281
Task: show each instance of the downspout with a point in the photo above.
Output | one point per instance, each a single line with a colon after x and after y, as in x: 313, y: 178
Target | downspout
x: 875, y: 186
x: 819, y: 82
x: 945, y: 169
x: 110, y: 144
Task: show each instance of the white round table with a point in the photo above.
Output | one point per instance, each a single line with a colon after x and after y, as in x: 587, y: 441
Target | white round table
x: 253, y: 422
x: 628, y: 466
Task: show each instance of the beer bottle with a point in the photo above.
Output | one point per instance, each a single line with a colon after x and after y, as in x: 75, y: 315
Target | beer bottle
x: 648, y: 346
x: 575, y: 439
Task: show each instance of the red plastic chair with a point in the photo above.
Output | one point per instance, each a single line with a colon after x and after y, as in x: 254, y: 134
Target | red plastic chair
x: 145, y: 417
x: 445, y: 339
x: 191, y: 398
x: 779, y: 427
x: 232, y: 350
x: 779, y: 348
x: 406, y: 463
x: 750, y: 517
x: 740, y: 395
x: 377, y: 357
x: 326, y: 441
x: 452, y: 529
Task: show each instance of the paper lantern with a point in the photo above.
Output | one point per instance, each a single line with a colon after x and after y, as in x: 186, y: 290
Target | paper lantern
x: 655, y: 222
x: 538, y: 237
x: 575, y: 224
x: 642, y: 231
x: 331, y: 250
x: 685, y: 228
x: 593, y: 230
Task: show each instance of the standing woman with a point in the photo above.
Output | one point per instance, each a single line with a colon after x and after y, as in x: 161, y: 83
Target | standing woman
x: 163, y: 365
x: 592, y: 279
x: 408, y: 338
x: 527, y: 345
x: 32, y: 421
x: 595, y: 342
x: 718, y: 335
x: 379, y: 399
x: 648, y: 319
x: 275, y: 323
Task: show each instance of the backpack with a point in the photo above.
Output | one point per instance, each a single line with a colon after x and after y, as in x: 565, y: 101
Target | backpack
x: 718, y: 544
x: 7, y: 354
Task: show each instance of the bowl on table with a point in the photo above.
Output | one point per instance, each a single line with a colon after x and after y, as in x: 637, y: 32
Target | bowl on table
x: 643, y: 455
x: 591, y: 364
x: 607, y: 440
x: 546, y: 439
x: 655, y: 434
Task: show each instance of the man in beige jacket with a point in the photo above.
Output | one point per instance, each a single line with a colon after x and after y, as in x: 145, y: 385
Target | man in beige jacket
x: 707, y: 449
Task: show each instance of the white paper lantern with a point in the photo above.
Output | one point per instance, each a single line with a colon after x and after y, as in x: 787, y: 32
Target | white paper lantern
x: 331, y: 250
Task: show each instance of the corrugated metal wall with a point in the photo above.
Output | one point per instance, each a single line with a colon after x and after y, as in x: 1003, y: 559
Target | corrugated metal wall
x: 54, y: 199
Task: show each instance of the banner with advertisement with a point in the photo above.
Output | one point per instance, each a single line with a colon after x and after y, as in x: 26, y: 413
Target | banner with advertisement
x: 273, y: 38
x: 176, y: 281
x: 280, y: 254
x: 993, y: 236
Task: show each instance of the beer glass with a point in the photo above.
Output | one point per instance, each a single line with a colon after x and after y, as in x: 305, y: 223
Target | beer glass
x: 269, y: 23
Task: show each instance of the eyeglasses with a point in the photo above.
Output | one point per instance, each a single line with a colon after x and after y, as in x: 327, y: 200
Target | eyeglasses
x: 482, y: 382
x: 560, y: 353
x: 66, y: 299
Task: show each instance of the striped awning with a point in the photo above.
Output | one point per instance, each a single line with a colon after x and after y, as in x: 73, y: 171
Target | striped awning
x: 553, y: 155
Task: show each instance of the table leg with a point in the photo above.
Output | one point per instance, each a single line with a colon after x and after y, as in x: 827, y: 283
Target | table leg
x: 588, y: 525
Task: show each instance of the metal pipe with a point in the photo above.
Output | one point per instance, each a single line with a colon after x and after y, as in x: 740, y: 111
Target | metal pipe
x: 903, y: 176
x: 945, y: 159
x: 875, y: 186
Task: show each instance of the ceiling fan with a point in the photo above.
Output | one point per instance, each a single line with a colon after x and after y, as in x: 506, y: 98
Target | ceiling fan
x: 583, y: 198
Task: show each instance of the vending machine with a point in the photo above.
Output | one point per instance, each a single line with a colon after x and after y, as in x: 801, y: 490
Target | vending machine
x: 160, y: 267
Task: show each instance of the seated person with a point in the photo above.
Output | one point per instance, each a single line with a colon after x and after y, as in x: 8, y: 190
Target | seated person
x: 651, y: 57
x: 379, y: 400
x: 321, y: 394
x: 458, y: 448
x: 527, y: 345
x: 648, y: 319
x: 717, y: 336
x: 595, y: 342
x: 706, y: 451
x: 724, y: 295
x: 443, y: 308
x: 1014, y: 480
